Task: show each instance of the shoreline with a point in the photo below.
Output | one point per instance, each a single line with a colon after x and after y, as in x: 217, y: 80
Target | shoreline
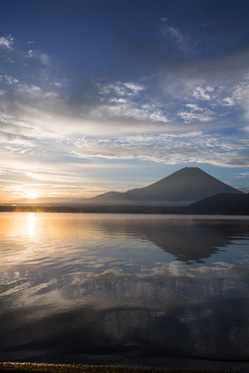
x: 115, y: 209
x: 68, y: 368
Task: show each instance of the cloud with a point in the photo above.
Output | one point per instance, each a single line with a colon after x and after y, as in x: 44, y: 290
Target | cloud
x: 28, y: 89
x: 30, y: 53
x: 195, y: 147
x: 116, y: 106
x: 108, y: 286
x: 189, y: 117
x: 134, y: 88
x: 158, y: 116
x: 203, y: 93
x: 172, y: 32
x: 196, y: 113
x: 118, y: 100
x: 18, y: 143
x: 121, y: 88
x: 123, y: 101
x: 228, y: 101
x: 10, y: 80
x: 175, y: 34
x: 6, y: 42
x: 241, y: 95
x: 125, y: 108
x: 60, y: 84
x: 194, y: 107
x: 50, y: 119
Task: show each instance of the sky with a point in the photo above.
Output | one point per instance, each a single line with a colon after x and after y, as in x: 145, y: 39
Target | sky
x: 100, y: 95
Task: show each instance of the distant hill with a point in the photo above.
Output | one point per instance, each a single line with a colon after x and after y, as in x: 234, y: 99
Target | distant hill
x: 222, y: 204
x: 114, y: 197
x: 187, y: 185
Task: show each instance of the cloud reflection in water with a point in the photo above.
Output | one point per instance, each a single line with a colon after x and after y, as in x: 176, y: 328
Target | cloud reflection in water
x: 104, y: 288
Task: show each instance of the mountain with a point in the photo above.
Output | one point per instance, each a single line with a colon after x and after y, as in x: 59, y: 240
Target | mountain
x: 114, y: 197
x: 187, y: 185
x: 222, y: 204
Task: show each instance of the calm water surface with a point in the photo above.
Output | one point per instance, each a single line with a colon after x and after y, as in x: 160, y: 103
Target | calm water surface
x: 88, y: 288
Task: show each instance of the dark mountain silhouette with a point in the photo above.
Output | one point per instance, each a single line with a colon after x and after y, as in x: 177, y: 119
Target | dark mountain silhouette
x: 222, y: 204
x: 115, y: 197
x: 174, y: 194
x: 189, y: 184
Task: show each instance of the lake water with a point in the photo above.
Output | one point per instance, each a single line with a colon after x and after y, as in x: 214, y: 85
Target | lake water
x: 88, y: 288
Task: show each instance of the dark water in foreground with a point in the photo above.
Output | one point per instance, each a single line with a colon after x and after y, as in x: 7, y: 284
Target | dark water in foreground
x: 94, y: 288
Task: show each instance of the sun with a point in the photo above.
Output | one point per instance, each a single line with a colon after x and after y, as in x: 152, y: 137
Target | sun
x: 32, y: 195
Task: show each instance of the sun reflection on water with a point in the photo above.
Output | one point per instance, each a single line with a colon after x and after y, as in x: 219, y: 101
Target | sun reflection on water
x: 31, y: 224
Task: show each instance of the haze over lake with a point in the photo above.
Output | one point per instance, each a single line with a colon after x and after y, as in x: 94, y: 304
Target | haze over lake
x: 88, y: 288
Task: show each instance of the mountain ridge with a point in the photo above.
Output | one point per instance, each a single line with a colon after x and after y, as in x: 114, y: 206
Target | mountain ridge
x: 187, y: 185
x: 221, y: 204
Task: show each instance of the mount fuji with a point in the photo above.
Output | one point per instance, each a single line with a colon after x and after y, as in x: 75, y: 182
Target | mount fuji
x: 183, y: 187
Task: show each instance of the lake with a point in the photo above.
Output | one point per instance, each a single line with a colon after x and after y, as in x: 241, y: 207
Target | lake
x: 133, y: 289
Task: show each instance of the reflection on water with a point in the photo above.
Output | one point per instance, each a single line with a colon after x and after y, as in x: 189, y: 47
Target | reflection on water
x: 80, y: 288
x: 31, y: 224
x: 186, y: 239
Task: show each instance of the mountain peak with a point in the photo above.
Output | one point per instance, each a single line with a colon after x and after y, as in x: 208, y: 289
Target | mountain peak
x: 187, y: 185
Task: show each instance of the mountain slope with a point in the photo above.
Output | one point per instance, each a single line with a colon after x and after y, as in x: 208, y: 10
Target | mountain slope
x: 189, y: 184
x: 222, y: 204
x: 114, y: 197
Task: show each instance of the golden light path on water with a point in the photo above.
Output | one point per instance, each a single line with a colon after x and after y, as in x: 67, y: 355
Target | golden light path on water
x: 32, y: 236
x: 31, y: 224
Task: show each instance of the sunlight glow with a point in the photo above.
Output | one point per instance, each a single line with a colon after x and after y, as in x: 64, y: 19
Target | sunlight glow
x: 31, y: 224
x: 32, y: 195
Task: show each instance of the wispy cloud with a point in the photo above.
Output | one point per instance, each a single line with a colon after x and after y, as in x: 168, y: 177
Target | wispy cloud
x: 175, y: 34
x: 196, y: 147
